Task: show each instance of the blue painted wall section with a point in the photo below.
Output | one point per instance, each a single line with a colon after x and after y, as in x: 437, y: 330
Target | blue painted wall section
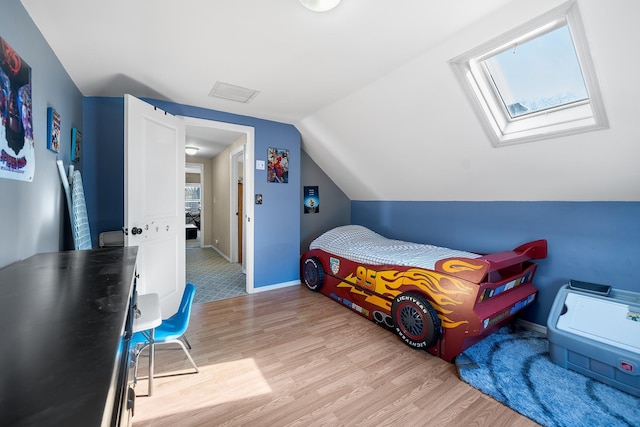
x: 276, y: 221
x: 33, y: 215
x: 590, y: 241
x: 104, y: 164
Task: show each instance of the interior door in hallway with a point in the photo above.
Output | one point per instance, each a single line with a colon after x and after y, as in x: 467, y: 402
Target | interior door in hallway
x: 154, y: 200
x: 240, y: 222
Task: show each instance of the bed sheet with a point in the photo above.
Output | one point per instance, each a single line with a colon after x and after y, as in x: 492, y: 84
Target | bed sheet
x: 359, y: 244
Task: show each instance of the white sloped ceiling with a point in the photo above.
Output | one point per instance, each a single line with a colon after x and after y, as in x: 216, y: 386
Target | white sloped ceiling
x: 413, y: 135
x: 368, y: 84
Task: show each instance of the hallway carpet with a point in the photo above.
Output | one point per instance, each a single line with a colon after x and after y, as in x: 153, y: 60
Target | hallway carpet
x: 215, y: 278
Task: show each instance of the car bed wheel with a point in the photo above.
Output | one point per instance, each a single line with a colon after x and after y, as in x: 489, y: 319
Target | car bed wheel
x: 313, y: 274
x: 416, y: 321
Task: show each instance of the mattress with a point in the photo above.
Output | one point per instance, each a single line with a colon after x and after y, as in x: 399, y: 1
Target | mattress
x: 359, y: 244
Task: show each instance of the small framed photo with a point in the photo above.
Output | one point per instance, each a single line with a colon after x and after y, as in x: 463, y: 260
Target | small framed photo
x: 53, y: 130
x: 311, y: 199
x: 76, y: 144
x: 278, y: 165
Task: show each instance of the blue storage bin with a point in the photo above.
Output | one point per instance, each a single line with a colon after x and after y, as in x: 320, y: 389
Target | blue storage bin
x: 597, y: 336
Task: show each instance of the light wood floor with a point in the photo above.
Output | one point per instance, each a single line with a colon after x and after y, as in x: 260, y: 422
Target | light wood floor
x: 291, y: 357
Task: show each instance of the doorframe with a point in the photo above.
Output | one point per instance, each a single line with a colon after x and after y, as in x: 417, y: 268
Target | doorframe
x: 234, y: 156
x: 248, y: 180
x: 199, y: 169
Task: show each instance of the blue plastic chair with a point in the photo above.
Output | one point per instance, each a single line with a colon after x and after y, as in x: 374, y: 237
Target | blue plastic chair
x: 172, y: 330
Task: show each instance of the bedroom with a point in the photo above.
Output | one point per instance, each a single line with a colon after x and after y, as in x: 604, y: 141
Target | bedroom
x: 408, y: 170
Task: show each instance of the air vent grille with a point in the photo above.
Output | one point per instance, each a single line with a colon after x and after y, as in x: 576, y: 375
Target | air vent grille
x: 232, y: 92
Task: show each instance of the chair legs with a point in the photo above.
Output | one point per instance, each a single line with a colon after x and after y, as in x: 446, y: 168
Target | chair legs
x: 138, y: 351
x: 186, y: 341
x: 186, y: 352
x: 174, y: 341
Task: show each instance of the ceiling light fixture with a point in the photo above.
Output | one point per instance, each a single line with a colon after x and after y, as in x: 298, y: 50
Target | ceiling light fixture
x: 191, y: 151
x: 319, y: 5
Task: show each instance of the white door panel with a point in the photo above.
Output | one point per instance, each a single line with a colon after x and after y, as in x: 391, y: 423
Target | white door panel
x: 156, y: 277
x: 154, y: 200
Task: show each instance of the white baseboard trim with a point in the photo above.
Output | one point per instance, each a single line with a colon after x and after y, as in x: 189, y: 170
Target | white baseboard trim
x: 218, y: 250
x: 532, y: 326
x: 276, y: 286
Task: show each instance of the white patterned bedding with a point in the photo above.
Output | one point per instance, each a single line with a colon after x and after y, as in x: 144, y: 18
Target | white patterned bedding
x: 359, y: 244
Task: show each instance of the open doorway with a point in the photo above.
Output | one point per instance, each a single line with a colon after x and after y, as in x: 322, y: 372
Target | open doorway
x: 240, y: 230
x: 238, y: 243
x: 194, y: 189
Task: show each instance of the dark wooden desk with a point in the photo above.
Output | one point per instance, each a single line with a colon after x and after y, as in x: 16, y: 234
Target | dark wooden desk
x: 62, y: 320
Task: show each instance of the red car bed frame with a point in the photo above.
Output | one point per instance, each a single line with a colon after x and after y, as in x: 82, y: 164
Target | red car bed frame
x: 444, y: 310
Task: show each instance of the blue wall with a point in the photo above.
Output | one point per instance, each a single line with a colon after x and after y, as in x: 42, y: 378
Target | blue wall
x: 276, y: 221
x: 34, y: 215
x: 590, y: 241
x: 104, y: 164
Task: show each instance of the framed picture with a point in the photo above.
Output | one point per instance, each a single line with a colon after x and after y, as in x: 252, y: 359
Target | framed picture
x: 53, y: 130
x: 16, y: 128
x: 76, y: 144
x: 277, y: 165
x: 311, y: 199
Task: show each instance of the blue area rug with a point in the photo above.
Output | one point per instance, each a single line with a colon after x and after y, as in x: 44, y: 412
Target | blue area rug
x: 513, y: 366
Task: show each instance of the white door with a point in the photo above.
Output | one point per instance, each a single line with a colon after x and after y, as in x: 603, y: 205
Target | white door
x: 154, y: 214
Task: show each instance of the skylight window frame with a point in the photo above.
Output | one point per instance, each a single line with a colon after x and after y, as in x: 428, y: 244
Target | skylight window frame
x: 502, y: 129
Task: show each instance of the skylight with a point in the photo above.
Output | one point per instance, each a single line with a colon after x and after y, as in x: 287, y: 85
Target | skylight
x: 535, y: 82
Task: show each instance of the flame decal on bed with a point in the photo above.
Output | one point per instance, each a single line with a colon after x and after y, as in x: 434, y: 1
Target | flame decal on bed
x: 472, y: 270
x: 457, y: 266
x: 446, y: 292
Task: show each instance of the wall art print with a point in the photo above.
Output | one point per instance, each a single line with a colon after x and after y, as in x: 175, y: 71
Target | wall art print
x: 17, y: 153
x: 311, y: 199
x: 76, y: 145
x: 277, y: 165
x: 53, y: 130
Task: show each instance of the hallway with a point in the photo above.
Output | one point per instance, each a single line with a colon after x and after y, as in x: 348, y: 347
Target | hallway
x: 215, y: 278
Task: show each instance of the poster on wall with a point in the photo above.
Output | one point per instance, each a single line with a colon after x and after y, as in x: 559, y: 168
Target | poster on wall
x: 17, y: 153
x: 76, y: 145
x: 53, y: 130
x: 311, y: 199
x: 278, y: 165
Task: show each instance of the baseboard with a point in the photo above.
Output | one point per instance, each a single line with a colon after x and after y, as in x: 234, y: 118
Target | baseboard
x: 218, y: 250
x: 276, y: 286
x: 532, y: 326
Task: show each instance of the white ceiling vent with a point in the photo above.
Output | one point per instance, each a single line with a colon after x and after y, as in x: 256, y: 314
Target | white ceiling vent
x: 232, y: 92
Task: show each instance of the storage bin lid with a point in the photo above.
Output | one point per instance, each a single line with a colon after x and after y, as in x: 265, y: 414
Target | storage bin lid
x: 601, y: 319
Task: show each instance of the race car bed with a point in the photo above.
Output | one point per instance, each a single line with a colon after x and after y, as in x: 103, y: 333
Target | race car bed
x: 434, y: 298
